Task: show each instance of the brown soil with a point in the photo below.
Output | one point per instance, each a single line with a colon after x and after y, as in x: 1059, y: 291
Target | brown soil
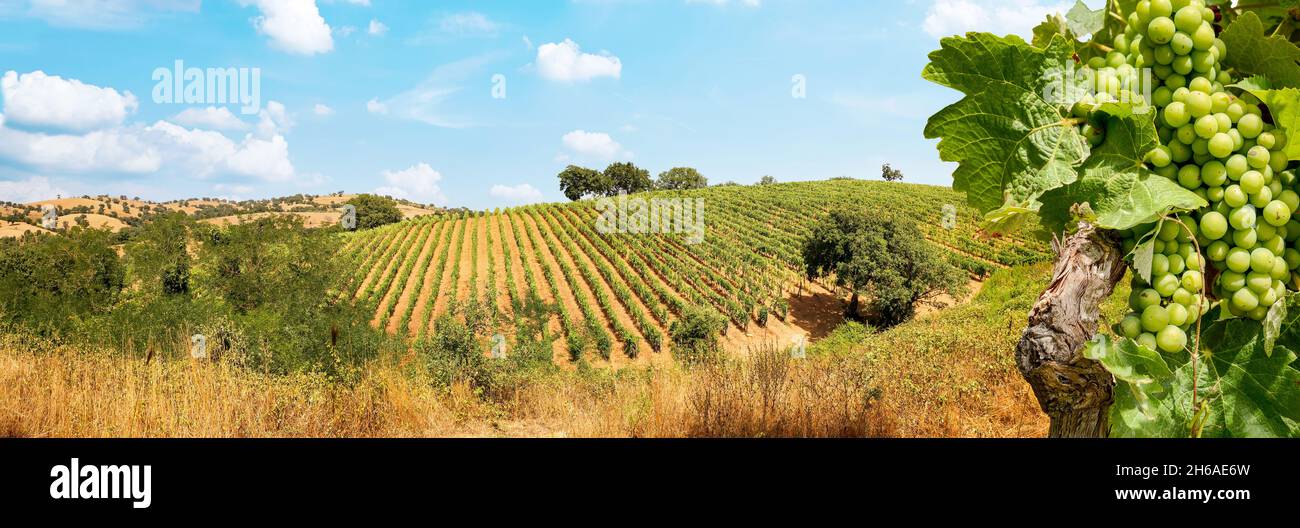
x: 413, y: 287
x: 445, y: 287
x: 375, y: 269
x: 466, y: 260
x: 481, y: 264
x: 499, y: 269
x: 416, y: 246
x: 567, y: 291
x: 524, y: 257
x: 431, y: 278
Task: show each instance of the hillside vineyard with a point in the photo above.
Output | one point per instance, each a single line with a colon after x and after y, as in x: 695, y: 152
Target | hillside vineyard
x: 619, y: 292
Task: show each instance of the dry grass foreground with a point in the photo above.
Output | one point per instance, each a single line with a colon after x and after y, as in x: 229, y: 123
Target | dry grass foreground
x: 948, y: 374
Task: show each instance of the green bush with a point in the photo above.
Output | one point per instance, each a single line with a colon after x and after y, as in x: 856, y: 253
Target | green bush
x: 695, y: 336
x: 374, y: 211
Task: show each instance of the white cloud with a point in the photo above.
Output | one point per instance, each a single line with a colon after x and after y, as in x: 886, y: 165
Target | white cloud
x: 273, y: 120
x: 516, y: 194
x: 377, y: 28
x: 345, y: 31
x: 322, y: 110
x: 33, y: 189
x: 294, y: 26
x: 418, y: 183
x: 42, y: 100
x: 219, y: 118
x: 429, y: 101
x: 566, y: 62
x: 955, y: 17
x: 596, y: 145
x: 470, y: 23
x: 161, y: 148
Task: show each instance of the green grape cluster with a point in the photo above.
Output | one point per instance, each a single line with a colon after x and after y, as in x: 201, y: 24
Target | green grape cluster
x: 1220, y: 147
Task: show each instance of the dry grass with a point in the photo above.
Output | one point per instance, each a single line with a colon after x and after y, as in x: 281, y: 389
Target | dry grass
x: 944, y: 375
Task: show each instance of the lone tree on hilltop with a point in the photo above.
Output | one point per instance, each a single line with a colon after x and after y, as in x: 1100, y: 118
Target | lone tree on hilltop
x: 682, y: 178
x: 374, y: 211
x: 890, y: 173
x: 883, y: 258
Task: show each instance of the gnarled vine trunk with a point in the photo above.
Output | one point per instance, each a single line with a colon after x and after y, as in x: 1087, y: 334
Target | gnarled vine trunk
x: 1075, y: 392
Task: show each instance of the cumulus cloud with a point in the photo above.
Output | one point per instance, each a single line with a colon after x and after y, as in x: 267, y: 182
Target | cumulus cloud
x: 598, y: 145
x: 41, y: 100
x: 516, y: 194
x: 565, y: 62
x: 33, y: 189
x: 955, y: 17
x: 375, y: 107
x: 377, y: 28
x: 273, y: 120
x: 322, y: 110
x: 294, y: 26
x: 219, y: 118
x: 418, y: 183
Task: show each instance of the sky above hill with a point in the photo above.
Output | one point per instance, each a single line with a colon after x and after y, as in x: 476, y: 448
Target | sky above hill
x: 466, y: 103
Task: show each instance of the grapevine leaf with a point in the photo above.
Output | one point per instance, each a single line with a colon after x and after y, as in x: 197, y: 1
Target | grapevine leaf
x: 1011, y: 143
x: 1258, y: 395
x: 1283, y: 104
x: 1142, y: 369
x: 1143, y: 255
x: 1111, y: 28
x: 1006, y: 219
x: 1085, y: 21
x: 1273, y: 326
x: 1049, y: 29
x: 1253, y: 52
x: 1122, y: 192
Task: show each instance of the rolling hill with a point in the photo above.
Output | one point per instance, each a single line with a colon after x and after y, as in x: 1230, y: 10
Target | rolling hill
x: 618, y: 293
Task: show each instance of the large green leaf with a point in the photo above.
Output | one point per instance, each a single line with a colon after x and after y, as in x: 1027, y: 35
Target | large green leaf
x: 1121, y: 192
x: 1242, y: 390
x: 1141, y: 369
x: 1283, y: 104
x: 1085, y: 21
x: 1251, y: 51
x: 1011, y: 143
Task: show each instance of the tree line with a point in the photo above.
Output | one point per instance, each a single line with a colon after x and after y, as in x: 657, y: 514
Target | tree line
x: 625, y: 178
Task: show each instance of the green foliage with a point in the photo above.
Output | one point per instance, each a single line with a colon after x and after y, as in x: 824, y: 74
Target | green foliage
x: 579, y: 182
x: 681, y: 178
x: 1004, y: 110
x: 881, y: 257
x: 374, y: 211
x: 767, y: 180
x: 158, y: 257
x: 625, y: 177
x: 1254, y: 52
x: 1283, y: 105
x: 49, y: 282
x: 695, y: 336
x: 890, y: 174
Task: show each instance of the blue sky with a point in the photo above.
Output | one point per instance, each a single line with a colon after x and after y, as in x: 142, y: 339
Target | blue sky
x: 403, y: 97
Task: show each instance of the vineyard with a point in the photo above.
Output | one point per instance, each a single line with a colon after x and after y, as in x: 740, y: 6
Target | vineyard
x: 616, y: 295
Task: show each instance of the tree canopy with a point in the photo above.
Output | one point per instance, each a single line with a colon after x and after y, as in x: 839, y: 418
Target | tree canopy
x: 374, y: 211
x: 884, y: 258
x: 682, y: 178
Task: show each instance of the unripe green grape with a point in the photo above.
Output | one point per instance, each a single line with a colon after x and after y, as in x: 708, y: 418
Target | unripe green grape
x: 1292, y: 258
x: 1243, y: 217
x: 1148, y: 340
x: 1131, y: 326
x: 1277, y: 213
x: 1266, y: 140
x: 1214, y: 194
x: 1171, y: 339
x: 1168, y: 283
x: 1154, y: 318
x: 1160, y: 156
x: 1159, y: 265
x: 1188, y: 19
x: 1259, y: 282
x: 1219, y: 103
x: 1214, y: 173
x: 1261, y: 199
x: 1176, y: 115
x: 1267, y: 298
x: 1237, y: 165
x: 1252, y: 182
x: 1251, y: 125
x: 1181, y: 43
x: 1275, y: 246
x: 1193, y: 281
x: 1162, y: 96
x: 1143, y: 298
x: 1291, y: 199
x: 1214, y: 226
x: 1183, y: 65
x: 1238, y: 260
x: 1278, y: 161
x: 1235, y: 197
x: 1204, y: 39
x: 1261, y: 259
x: 1281, y: 270
x: 1243, y: 300
x: 1221, y: 146
x: 1202, y: 85
x: 1168, y: 230
x: 1178, y: 314
x: 1259, y: 157
x: 1189, y: 176
x: 1232, y: 281
x: 1203, y: 62
x: 1186, y: 134
x: 1164, y: 57
x: 1266, y: 231
x: 1218, y: 250
x: 1206, y: 126
x: 1245, y: 238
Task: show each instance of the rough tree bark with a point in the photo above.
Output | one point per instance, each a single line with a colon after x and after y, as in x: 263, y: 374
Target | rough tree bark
x: 1076, y: 393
